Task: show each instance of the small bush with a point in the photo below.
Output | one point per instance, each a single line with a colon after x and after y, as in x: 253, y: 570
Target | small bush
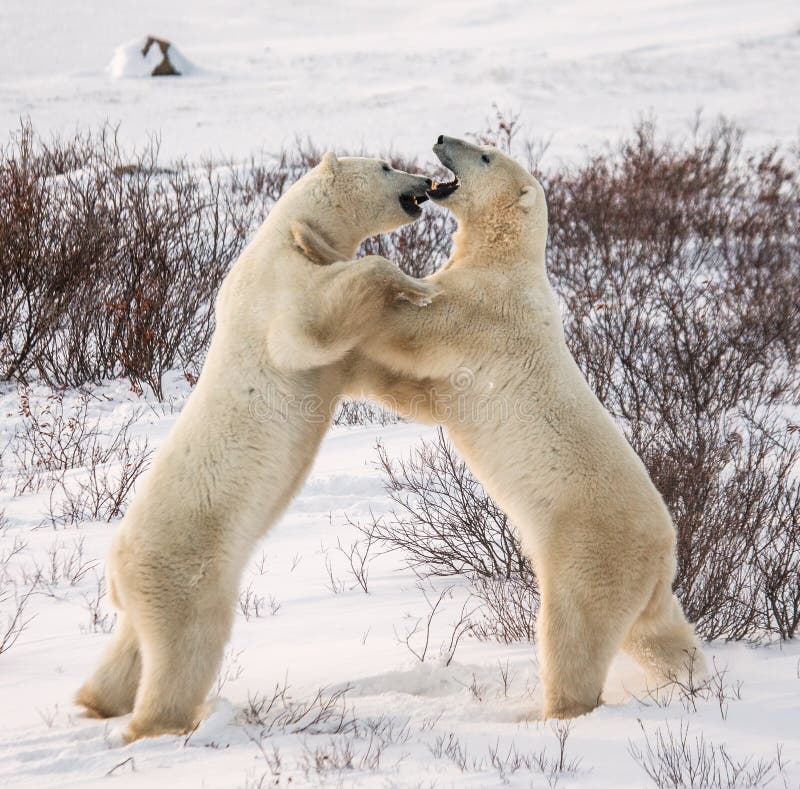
x: 446, y: 525
x: 90, y: 473
x: 110, y: 262
x: 674, y: 759
x: 326, y: 713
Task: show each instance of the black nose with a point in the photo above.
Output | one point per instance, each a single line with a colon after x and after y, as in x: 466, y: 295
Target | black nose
x: 440, y: 140
x: 429, y: 182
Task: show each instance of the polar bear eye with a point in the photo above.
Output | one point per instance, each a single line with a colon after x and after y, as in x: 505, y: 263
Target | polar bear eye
x: 485, y: 158
x: 386, y: 168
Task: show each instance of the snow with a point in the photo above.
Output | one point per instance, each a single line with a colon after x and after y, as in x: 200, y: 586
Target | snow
x: 343, y: 640
x: 378, y: 75
x: 394, y: 75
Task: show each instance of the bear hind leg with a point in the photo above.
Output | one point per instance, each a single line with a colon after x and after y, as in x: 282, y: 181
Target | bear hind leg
x: 179, y: 662
x: 663, y: 641
x: 111, y: 690
x: 576, y: 648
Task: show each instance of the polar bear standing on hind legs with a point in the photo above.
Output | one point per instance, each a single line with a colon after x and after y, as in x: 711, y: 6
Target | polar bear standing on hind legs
x: 491, y: 363
x: 246, y: 438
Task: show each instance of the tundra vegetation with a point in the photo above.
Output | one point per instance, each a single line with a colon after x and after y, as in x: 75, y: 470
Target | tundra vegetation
x: 677, y: 264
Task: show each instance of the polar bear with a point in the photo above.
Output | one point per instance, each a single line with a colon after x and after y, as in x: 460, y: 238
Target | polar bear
x: 488, y: 359
x: 246, y: 438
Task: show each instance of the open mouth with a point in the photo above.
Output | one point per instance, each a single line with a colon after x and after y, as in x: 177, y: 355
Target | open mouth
x: 411, y: 203
x: 440, y: 191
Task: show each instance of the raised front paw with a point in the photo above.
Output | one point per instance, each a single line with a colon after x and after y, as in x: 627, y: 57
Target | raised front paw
x: 397, y: 286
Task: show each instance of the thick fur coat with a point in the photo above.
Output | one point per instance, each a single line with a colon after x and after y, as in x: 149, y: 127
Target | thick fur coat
x: 246, y: 438
x: 488, y: 359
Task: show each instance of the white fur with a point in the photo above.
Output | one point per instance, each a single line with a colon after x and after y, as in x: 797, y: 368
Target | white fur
x: 492, y: 364
x: 245, y: 440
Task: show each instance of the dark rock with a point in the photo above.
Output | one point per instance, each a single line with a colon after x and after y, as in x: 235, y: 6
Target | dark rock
x: 165, y: 68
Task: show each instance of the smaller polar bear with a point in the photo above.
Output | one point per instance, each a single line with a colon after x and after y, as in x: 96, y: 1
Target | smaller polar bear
x: 246, y: 438
x: 491, y: 363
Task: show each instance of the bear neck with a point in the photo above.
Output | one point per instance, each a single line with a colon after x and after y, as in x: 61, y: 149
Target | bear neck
x: 343, y: 238
x: 499, y: 242
x: 330, y: 224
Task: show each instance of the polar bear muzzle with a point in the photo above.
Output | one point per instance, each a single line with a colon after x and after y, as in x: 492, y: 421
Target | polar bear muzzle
x: 440, y: 191
x: 410, y: 201
x: 442, y: 149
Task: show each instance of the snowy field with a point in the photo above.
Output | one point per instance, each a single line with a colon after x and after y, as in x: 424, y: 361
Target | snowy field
x: 426, y: 724
x: 386, y: 76
x: 394, y: 75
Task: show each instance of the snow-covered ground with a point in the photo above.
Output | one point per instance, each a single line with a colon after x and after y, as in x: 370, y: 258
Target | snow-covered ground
x: 318, y: 629
x: 383, y: 75
x: 395, y: 73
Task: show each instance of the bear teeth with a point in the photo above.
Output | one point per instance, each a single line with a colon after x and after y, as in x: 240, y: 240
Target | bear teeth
x: 442, y: 190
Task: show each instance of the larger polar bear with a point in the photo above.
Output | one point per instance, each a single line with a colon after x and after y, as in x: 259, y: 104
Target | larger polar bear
x: 246, y: 438
x: 492, y: 364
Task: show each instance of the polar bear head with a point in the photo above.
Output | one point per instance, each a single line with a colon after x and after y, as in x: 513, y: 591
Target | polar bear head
x: 494, y: 198
x: 351, y: 197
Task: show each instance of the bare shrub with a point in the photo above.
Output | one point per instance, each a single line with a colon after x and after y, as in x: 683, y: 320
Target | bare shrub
x: 103, y: 494
x: 552, y: 767
x: 674, y: 759
x: 16, y: 621
x: 326, y: 712
x: 444, y: 522
x: 448, y: 746
x: 230, y: 671
x: 336, y: 755
x: 359, y: 555
x: 388, y: 730
x: 90, y: 472
x: 13, y: 600
x: 419, y: 248
x: 110, y: 261
x: 100, y: 619
x: 55, y: 437
x: 274, y: 762
x: 341, y: 754
x: 335, y: 584
x: 446, y: 525
x: 6, y: 556
x: 251, y: 604
x: 417, y: 636
x: 124, y: 763
x: 508, y: 610
x: 255, y: 605
x: 261, y: 563
x: 65, y: 565
x: 691, y: 688
x: 52, y: 440
x: 355, y: 412
x: 37, y: 279
x: 500, y: 131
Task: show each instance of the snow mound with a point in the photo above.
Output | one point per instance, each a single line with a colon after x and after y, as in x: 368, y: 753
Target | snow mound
x: 148, y: 57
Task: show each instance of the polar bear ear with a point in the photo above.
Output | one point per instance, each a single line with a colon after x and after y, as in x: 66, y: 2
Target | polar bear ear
x: 330, y: 162
x: 527, y: 198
